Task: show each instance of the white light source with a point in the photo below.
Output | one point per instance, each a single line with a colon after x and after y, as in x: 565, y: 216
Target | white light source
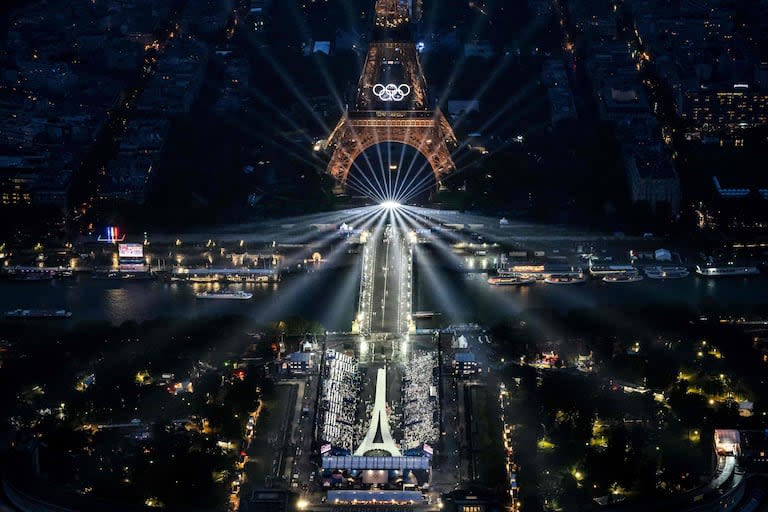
x: 390, y: 205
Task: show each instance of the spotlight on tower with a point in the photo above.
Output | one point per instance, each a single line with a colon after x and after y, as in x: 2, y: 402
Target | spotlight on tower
x: 390, y: 204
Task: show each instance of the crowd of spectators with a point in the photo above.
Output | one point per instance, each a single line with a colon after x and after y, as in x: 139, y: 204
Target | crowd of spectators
x: 420, y: 406
x: 340, y: 395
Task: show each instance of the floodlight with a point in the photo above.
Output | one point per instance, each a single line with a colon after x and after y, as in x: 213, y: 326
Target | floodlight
x: 390, y: 204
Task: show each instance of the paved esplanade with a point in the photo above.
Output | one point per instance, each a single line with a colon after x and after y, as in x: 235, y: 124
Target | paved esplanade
x: 386, y: 284
x: 385, y: 310
x: 379, y: 440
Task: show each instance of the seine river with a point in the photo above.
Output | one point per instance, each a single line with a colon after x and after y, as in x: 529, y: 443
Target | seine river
x: 330, y: 297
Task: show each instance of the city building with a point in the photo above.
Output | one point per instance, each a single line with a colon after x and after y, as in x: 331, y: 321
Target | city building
x: 541, y: 8
x: 65, y: 71
x: 652, y: 178
x: 178, y: 79
x: 623, y: 101
x: 714, y: 67
x: 16, y: 188
x: 738, y: 187
x: 234, y: 94
x: 559, y: 94
x: 258, y: 17
x: 465, y: 364
x: 416, y: 8
x: 27, y: 180
x: 481, y: 49
x: 128, y: 175
x: 754, y: 450
x: 623, y: 97
x: 717, y: 108
x: 127, y: 179
x: 206, y: 17
x: 302, y: 363
x: 265, y: 500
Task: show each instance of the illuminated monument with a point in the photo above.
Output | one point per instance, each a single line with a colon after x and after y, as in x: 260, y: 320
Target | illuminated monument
x: 391, y: 102
x: 378, y: 440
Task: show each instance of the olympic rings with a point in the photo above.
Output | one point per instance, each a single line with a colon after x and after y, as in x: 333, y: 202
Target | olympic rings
x: 391, y: 92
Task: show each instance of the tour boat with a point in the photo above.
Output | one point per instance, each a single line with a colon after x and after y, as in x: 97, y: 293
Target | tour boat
x: 38, y: 313
x: 727, y: 270
x: 238, y: 295
x: 565, y: 279
x: 666, y: 272
x: 623, y: 277
x: 510, y: 280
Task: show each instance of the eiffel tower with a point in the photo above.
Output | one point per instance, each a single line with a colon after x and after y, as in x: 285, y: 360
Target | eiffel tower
x: 391, y: 103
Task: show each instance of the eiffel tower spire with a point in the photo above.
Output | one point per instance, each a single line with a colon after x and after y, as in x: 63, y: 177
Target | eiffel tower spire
x: 392, y: 13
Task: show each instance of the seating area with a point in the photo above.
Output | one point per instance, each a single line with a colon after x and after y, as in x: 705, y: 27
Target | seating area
x: 420, y: 404
x: 340, y: 393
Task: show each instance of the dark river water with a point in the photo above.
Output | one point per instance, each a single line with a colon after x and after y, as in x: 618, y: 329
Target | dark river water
x: 330, y: 296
